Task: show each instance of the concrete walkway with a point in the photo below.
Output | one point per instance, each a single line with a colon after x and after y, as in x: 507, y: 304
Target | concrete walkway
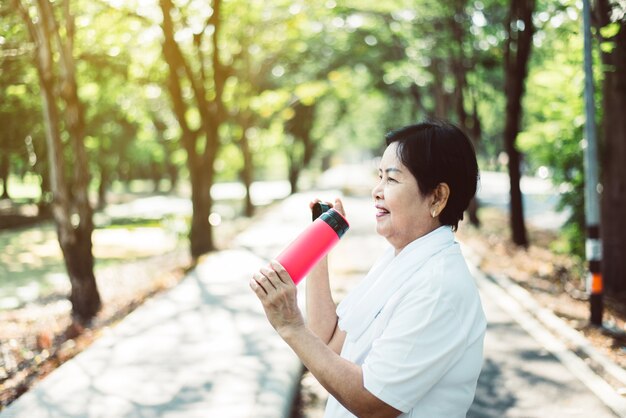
x: 201, y: 349
x: 524, y: 373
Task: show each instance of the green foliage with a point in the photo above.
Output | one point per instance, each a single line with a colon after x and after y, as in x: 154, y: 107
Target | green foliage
x: 365, y: 67
x: 555, y: 116
x: 610, y: 30
x: 21, y: 131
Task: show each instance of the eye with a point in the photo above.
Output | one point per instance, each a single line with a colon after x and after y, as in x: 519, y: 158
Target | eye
x: 391, y: 180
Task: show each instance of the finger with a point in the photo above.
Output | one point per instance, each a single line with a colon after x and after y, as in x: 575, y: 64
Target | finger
x: 257, y: 288
x: 270, y: 278
x: 283, y: 275
x: 263, y: 282
x: 339, y: 207
x: 313, y: 202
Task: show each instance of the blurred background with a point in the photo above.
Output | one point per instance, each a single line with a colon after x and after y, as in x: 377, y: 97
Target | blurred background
x: 138, y: 135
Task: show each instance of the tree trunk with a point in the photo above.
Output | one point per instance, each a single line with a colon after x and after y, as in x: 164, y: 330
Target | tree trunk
x: 247, y: 171
x: 156, y: 176
x: 303, y: 147
x: 4, y: 174
x: 460, y: 68
x: 420, y: 109
x: 79, y: 262
x: 172, y: 174
x: 516, y: 216
x: 201, y: 155
x: 200, y: 234
x: 103, y: 186
x: 613, y: 222
x: 85, y: 298
x: 168, y: 149
x: 517, y: 53
x: 73, y: 215
x: 438, y: 92
x: 44, y: 209
x: 476, y: 133
x: 293, y: 175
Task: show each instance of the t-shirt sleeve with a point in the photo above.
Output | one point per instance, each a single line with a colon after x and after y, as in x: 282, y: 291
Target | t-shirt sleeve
x: 418, y: 346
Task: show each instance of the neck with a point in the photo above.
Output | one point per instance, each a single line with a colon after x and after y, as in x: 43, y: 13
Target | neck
x: 422, y: 233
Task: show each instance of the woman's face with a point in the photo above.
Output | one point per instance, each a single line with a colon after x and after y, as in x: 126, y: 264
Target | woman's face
x: 402, y: 213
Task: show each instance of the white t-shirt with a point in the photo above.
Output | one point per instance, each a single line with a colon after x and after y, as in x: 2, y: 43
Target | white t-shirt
x: 423, y: 353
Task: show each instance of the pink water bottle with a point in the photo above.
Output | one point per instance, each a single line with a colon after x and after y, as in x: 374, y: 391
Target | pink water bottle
x: 312, y: 244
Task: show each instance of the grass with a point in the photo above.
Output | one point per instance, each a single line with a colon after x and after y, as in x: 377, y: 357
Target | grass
x: 27, y: 190
x: 31, y: 263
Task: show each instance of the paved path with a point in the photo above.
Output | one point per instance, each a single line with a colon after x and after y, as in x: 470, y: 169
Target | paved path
x: 520, y: 376
x: 204, y: 348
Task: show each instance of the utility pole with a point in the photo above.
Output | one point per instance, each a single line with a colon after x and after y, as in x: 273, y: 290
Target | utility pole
x: 593, y: 243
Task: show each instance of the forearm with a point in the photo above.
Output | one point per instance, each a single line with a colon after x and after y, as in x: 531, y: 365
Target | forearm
x: 340, y: 377
x: 343, y: 379
x: 320, y: 308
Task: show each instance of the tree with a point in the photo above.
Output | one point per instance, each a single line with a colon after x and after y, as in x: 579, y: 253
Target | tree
x: 611, y: 23
x: 519, y: 27
x: 461, y: 65
x: 251, y: 72
x: 301, y: 150
x: 110, y: 130
x: 19, y: 113
x: 554, y: 116
x: 56, y: 67
x: 12, y: 135
x: 197, y: 88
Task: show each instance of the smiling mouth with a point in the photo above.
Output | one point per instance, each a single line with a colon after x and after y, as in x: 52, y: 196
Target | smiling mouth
x: 381, y: 212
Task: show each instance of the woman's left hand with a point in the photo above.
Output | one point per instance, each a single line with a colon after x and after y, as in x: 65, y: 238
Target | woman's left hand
x: 277, y: 292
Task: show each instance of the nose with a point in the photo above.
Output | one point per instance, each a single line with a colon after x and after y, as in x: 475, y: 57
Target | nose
x: 377, y: 191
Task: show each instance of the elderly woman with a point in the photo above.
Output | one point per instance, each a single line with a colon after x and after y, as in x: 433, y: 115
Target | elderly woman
x: 408, y: 340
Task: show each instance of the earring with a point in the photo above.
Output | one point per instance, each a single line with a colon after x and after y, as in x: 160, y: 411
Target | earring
x: 434, y: 213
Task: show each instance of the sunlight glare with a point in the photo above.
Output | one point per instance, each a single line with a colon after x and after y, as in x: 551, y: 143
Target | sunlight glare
x: 478, y: 18
x: 215, y: 219
x: 371, y: 40
x: 278, y: 71
x: 295, y: 9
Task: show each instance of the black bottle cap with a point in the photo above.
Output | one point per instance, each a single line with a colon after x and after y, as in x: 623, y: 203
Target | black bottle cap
x: 318, y: 209
x: 337, y: 222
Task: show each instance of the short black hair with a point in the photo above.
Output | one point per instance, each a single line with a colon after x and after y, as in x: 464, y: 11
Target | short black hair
x: 435, y: 152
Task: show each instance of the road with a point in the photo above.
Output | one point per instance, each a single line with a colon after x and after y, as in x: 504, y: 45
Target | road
x: 539, y: 196
x: 520, y: 376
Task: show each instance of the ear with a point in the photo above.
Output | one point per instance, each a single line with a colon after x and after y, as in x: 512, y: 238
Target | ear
x: 439, y: 199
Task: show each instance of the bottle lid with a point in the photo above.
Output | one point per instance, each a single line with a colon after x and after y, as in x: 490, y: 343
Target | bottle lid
x: 337, y: 222
x: 318, y: 209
